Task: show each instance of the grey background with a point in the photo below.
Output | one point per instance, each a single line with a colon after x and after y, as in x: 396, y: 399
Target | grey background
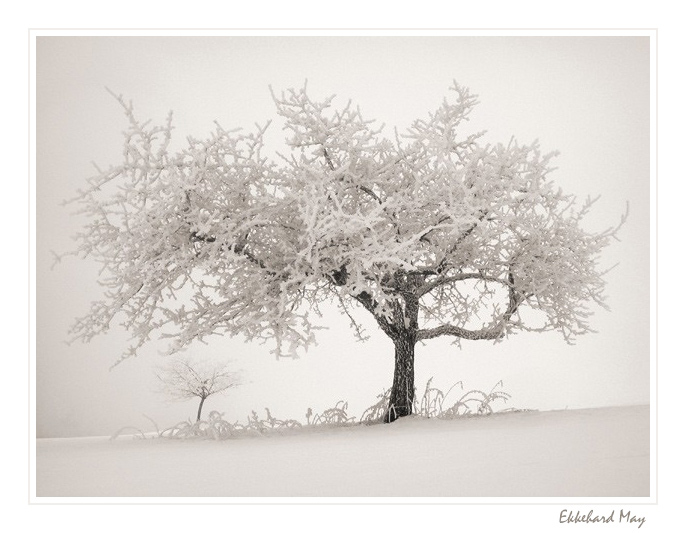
x: 585, y: 96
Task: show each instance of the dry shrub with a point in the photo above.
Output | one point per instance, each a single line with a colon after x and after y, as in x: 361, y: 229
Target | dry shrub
x: 434, y: 403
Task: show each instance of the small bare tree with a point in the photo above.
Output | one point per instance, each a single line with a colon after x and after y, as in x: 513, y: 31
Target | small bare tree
x: 185, y: 380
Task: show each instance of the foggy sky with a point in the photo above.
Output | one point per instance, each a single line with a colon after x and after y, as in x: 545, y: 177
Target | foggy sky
x: 587, y: 97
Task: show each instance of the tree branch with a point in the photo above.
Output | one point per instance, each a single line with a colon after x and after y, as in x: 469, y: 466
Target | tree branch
x: 489, y: 333
x: 428, y: 286
x: 492, y: 332
x: 363, y: 188
x: 340, y: 277
x: 366, y: 300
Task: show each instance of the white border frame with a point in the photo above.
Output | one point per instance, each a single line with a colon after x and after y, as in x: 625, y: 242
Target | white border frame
x: 580, y: 502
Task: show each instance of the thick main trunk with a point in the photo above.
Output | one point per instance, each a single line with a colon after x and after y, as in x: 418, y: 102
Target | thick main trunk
x: 402, y: 392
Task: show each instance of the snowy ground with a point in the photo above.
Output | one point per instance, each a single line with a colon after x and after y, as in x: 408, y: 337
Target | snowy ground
x: 591, y: 453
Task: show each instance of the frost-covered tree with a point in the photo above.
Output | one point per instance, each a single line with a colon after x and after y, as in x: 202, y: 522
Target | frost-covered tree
x: 430, y: 232
x: 185, y: 380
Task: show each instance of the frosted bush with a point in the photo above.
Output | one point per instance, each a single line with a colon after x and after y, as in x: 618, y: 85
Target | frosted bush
x: 473, y: 402
x: 375, y: 413
x: 215, y: 427
x: 335, y: 416
x: 434, y: 403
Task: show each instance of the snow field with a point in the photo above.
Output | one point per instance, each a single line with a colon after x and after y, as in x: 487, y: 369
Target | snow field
x: 587, y: 453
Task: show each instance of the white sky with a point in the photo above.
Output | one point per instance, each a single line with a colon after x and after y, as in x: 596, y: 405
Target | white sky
x: 586, y: 97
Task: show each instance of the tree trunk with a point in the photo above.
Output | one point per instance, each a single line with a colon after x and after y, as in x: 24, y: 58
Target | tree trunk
x: 402, y: 393
x: 202, y: 401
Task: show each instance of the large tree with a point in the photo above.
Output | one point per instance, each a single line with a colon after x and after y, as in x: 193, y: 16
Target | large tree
x: 431, y: 232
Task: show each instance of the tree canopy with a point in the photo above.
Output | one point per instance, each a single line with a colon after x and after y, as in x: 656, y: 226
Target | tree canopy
x: 430, y: 231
